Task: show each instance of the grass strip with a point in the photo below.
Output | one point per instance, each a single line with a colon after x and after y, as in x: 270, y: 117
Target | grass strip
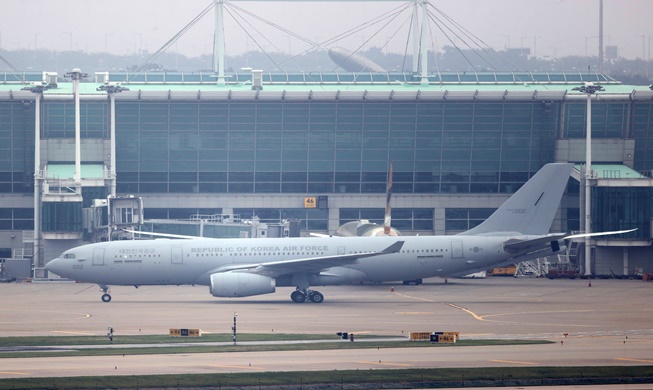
x: 355, y: 379
x: 159, y: 339
x: 260, y: 347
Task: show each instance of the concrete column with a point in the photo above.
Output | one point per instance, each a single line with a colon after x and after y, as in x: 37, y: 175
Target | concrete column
x: 626, y: 260
x: 588, y: 188
x: 37, y: 260
x: 334, y: 220
x: 78, y: 142
x: 112, y: 116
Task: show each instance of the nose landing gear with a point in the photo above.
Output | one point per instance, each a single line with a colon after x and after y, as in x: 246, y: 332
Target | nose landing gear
x: 106, y: 297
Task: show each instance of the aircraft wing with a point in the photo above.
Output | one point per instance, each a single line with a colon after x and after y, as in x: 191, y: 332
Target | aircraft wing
x: 310, y: 264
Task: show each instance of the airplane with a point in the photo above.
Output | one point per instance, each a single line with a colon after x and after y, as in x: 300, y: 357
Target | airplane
x: 241, y: 267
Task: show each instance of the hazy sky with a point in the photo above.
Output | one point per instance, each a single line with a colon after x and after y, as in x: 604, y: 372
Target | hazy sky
x: 548, y: 27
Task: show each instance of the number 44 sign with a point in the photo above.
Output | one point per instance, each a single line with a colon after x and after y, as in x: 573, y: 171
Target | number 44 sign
x: 310, y: 202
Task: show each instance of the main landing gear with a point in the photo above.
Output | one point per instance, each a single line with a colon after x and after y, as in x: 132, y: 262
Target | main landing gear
x: 300, y: 296
x: 106, y: 297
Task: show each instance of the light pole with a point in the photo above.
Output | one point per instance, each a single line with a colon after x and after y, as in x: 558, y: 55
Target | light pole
x: 589, y: 89
x: 234, y: 327
x: 75, y: 76
x: 535, y: 45
x: 38, y: 177
x: 648, y: 57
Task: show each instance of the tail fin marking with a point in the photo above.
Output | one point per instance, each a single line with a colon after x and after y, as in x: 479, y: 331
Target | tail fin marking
x: 525, y: 212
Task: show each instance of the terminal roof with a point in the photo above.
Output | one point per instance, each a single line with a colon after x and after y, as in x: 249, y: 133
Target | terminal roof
x: 330, y: 86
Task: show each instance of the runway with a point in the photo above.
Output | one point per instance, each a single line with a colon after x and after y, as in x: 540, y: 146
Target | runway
x: 609, y: 323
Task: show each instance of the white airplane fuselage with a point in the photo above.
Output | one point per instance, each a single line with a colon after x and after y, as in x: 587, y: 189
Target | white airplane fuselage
x: 176, y: 262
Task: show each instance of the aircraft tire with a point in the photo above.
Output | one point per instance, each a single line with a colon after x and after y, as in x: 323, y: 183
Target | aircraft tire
x: 106, y: 298
x: 316, y: 297
x: 298, y: 297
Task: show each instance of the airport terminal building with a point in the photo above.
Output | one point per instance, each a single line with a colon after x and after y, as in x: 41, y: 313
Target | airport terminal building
x: 316, y: 147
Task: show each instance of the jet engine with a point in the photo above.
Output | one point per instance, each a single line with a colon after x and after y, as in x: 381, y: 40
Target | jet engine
x: 240, y: 284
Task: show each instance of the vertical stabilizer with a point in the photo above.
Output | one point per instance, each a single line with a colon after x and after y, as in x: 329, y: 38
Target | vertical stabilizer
x: 532, y: 208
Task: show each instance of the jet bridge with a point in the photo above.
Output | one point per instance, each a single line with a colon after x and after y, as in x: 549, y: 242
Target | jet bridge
x: 107, y: 218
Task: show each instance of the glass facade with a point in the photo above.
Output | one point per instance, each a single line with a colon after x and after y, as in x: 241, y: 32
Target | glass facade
x: 462, y: 219
x: 16, y: 147
x: 642, y: 119
x: 59, y: 120
x: 62, y: 217
x: 622, y: 208
x: 609, y: 120
x: 331, y: 147
x: 321, y: 147
x: 16, y: 219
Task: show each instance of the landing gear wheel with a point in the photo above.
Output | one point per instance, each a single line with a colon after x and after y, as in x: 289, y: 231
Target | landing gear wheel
x: 316, y: 297
x: 106, y: 298
x: 298, y: 296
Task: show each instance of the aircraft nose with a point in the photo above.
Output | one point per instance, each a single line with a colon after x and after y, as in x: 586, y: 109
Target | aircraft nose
x: 54, y: 265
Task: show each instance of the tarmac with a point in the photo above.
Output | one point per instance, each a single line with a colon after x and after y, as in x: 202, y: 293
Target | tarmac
x: 607, y: 322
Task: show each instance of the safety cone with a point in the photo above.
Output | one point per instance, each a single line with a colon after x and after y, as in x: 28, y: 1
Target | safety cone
x: 589, y: 284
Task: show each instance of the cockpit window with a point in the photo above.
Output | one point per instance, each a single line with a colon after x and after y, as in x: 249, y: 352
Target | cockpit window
x: 69, y: 256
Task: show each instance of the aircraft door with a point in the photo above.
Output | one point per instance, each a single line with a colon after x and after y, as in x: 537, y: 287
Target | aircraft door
x: 176, y: 256
x: 98, y: 256
x: 456, y: 249
x: 341, y: 250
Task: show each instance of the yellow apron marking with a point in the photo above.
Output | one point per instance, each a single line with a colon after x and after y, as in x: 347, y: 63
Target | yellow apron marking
x: 408, y: 296
x: 480, y: 318
x: 81, y: 333
x: 512, y: 362
x: 484, y: 318
x: 414, y: 312
x: 635, y: 360
x: 387, y: 364
x: 12, y: 373
x: 242, y: 367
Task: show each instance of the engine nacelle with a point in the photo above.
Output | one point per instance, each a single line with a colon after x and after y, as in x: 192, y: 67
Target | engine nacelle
x: 241, y: 284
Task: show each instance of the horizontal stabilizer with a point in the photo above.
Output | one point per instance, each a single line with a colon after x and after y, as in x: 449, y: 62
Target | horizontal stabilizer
x: 517, y: 245
x: 597, y: 234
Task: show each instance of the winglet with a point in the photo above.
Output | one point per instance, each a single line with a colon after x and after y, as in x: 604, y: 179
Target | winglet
x: 394, y: 248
